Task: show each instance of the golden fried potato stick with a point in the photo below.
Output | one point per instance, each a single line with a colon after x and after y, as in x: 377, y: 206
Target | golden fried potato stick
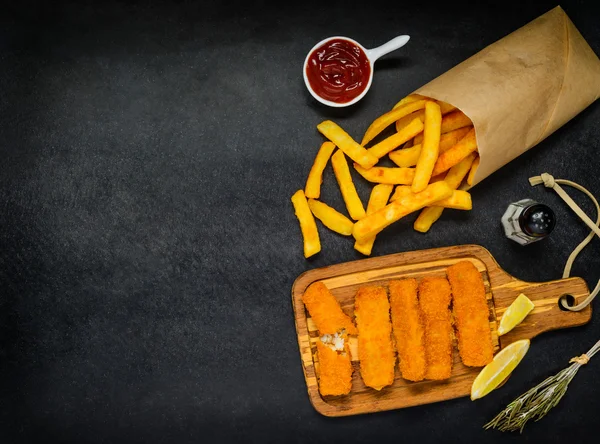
x: 394, y: 141
x: 460, y: 200
x: 408, y: 327
x: 471, y: 314
x: 404, y: 121
x: 404, y: 190
x: 335, y: 370
x: 344, y: 142
x: 315, y: 177
x: 456, y: 154
x: 450, y: 122
x: 458, y: 172
x: 434, y: 298
x: 409, y: 99
x: 325, y: 310
x: 375, y: 348
x: 372, y: 224
x: 391, y: 176
x: 344, y: 180
x: 445, y: 108
x: 408, y: 156
x: 454, y: 178
x: 430, y: 147
x: 378, y: 199
x: 400, y: 192
x: 427, y: 217
x: 455, y: 120
x: 308, y: 226
x: 472, y: 171
x: 388, y: 118
x: 330, y: 217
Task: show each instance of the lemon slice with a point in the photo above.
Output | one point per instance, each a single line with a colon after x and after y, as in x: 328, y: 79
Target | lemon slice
x: 515, y: 314
x: 499, y: 369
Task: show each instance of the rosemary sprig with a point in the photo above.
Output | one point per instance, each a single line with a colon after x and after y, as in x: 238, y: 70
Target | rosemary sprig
x: 538, y: 401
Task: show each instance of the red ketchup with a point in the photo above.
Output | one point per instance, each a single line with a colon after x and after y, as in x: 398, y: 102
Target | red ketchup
x: 338, y: 71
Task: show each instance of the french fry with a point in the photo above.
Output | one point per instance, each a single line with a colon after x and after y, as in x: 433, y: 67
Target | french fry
x: 392, y: 176
x: 430, y: 147
x: 315, y: 177
x: 404, y: 190
x: 332, y: 219
x: 450, y: 122
x: 400, y: 192
x: 427, y: 217
x: 460, y: 200
x: 308, y: 226
x: 456, y: 154
x: 451, y: 138
x: 408, y: 156
x: 372, y: 224
x: 388, y: 118
x: 453, y: 178
x: 378, y: 199
x: 445, y: 108
x: 395, y: 140
x: 401, y: 123
x: 409, y: 99
x: 344, y: 180
x: 458, y: 172
x: 344, y: 142
x: 455, y: 120
x: 472, y: 171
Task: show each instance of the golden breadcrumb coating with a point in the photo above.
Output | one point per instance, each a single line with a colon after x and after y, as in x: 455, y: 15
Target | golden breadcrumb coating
x: 434, y: 298
x: 375, y: 348
x: 325, y: 310
x: 471, y: 314
x: 409, y: 332
x: 335, y: 370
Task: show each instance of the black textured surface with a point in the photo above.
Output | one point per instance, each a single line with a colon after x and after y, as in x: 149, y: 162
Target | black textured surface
x: 148, y: 244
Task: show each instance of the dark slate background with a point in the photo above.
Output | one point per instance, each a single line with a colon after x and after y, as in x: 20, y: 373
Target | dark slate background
x: 148, y: 244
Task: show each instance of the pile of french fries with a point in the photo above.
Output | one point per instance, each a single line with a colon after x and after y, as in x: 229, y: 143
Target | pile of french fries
x: 435, y: 150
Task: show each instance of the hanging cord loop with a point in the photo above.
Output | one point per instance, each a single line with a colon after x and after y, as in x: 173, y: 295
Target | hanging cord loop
x: 550, y: 182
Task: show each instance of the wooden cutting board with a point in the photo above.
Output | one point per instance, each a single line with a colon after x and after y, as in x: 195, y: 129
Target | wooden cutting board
x: 501, y: 289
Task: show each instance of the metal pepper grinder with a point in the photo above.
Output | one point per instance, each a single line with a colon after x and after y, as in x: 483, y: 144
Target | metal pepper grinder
x: 528, y: 221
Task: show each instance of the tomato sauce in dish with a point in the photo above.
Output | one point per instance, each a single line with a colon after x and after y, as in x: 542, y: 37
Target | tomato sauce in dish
x: 338, y: 71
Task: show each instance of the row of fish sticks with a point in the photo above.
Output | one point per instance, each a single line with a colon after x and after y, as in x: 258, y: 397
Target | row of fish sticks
x: 413, y: 320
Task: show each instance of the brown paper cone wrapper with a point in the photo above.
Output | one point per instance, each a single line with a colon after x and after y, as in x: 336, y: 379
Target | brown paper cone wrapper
x: 522, y: 88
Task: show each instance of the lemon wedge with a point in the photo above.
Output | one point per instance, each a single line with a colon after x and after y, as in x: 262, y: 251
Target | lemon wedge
x: 499, y: 369
x: 515, y: 314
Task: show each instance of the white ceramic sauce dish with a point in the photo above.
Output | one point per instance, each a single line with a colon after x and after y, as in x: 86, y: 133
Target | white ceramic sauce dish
x: 372, y: 55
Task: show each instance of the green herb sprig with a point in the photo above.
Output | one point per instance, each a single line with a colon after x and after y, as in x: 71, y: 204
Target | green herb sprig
x: 538, y: 401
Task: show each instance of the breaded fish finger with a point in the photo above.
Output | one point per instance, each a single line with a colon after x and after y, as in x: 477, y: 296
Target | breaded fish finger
x: 409, y: 332
x: 375, y: 349
x: 471, y: 313
x: 434, y: 299
x: 325, y: 310
x: 335, y: 370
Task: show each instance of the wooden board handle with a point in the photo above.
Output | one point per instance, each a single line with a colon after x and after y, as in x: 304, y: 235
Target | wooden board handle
x: 547, y: 314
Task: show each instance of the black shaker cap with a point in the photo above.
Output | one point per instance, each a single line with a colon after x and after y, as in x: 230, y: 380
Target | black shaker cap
x: 537, y: 220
